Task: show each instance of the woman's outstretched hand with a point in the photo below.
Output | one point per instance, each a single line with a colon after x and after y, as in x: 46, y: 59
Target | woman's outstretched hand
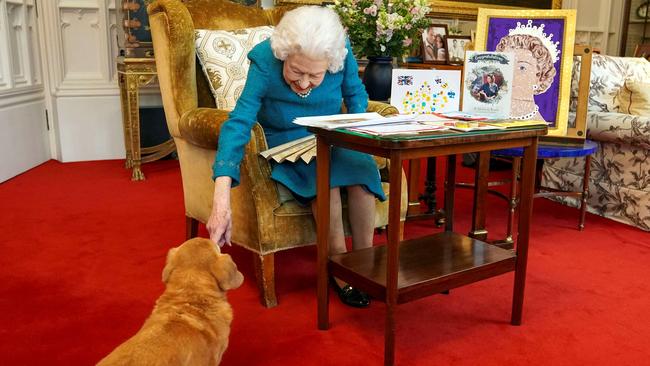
x: 219, y: 224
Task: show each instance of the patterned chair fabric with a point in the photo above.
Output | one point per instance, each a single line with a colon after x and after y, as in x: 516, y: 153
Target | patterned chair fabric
x: 619, y: 186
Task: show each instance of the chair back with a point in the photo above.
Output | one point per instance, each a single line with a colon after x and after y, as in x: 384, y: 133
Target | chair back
x: 184, y: 87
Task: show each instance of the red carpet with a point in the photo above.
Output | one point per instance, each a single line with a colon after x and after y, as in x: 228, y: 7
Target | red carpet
x: 82, y: 250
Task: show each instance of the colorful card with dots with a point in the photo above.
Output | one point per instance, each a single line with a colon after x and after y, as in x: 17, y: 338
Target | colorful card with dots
x: 425, y: 91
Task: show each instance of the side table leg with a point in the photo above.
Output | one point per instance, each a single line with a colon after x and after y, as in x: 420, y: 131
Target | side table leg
x: 585, y: 193
x: 516, y: 170
x: 322, y: 228
x: 429, y: 195
x: 525, y: 216
x: 450, y: 190
x: 133, y: 103
x: 480, y: 194
x: 415, y: 166
x: 392, y: 259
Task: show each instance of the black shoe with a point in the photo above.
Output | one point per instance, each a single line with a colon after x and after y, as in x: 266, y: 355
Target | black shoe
x: 350, y: 295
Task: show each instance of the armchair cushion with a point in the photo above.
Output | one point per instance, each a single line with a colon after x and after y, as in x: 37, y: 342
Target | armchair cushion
x: 223, y: 57
x: 634, y: 98
x: 608, y: 74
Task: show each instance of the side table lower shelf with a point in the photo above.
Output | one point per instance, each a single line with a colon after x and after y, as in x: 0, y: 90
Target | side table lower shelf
x: 428, y: 265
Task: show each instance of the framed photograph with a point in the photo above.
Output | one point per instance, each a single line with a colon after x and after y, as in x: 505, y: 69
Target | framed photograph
x: 456, y: 49
x: 434, y: 46
x: 642, y: 50
x: 542, y: 41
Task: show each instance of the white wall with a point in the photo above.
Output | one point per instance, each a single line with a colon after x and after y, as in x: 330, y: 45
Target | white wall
x: 599, y: 23
x: 79, y: 37
x: 23, y: 132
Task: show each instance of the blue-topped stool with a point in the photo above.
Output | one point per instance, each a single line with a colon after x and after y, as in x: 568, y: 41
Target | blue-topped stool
x: 549, y: 152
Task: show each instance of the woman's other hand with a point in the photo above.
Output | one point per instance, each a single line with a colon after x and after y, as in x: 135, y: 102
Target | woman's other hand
x: 219, y: 224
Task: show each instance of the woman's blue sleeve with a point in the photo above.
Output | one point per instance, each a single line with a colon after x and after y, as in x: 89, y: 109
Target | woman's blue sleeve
x: 236, y: 131
x: 354, y: 93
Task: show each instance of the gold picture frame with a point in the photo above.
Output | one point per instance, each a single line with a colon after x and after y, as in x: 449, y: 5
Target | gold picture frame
x: 468, y: 10
x: 553, y: 102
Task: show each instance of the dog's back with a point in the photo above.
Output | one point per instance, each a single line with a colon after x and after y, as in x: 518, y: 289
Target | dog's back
x: 190, y: 323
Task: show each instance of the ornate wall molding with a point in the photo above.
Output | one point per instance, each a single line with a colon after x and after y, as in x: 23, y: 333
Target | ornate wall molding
x: 19, y: 65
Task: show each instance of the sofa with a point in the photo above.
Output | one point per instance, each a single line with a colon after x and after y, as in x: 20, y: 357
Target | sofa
x: 619, y: 183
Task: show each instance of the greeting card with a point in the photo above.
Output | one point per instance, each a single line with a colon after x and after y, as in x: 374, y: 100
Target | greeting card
x: 488, y: 78
x: 425, y: 91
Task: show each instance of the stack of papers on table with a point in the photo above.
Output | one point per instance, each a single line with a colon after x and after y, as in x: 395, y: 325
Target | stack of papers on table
x: 409, y: 128
x: 335, y: 121
x: 464, y: 116
x: 515, y: 123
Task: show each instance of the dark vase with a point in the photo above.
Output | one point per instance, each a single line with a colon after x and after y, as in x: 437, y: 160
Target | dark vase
x: 377, y: 77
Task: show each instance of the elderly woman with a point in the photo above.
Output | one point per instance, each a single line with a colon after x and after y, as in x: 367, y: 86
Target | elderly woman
x: 305, y: 69
x: 533, y: 74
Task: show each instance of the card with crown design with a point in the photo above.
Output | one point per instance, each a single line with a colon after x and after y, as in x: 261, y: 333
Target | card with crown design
x: 542, y: 44
x: 425, y: 91
x: 487, y: 80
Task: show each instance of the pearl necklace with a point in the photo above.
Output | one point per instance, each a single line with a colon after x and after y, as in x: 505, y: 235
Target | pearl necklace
x: 526, y: 116
x: 304, y: 95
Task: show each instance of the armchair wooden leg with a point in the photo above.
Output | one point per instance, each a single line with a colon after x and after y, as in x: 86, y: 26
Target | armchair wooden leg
x: 191, y: 227
x: 265, y: 275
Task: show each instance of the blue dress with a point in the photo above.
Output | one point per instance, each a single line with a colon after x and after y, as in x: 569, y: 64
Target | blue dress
x: 269, y: 100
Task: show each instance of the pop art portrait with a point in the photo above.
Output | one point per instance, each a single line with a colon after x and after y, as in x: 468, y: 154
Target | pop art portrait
x: 542, y: 42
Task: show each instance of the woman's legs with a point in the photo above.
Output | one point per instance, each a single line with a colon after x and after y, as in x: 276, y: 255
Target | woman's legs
x: 361, y: 210
x: 361, y: 207
x: 336, y: 236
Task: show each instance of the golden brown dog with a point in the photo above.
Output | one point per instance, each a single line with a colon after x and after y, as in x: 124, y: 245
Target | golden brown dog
x: 190, y: 323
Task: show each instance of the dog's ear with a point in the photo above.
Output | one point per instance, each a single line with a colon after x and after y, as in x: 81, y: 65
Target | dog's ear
x: 224, y: 270
x: 169, y: 264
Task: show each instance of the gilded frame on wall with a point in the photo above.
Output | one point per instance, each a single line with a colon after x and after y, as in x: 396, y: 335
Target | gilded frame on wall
x: 468, y: 10
x: 553, y: 97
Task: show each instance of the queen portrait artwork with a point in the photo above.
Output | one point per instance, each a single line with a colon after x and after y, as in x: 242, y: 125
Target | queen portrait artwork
x: 537, y: 60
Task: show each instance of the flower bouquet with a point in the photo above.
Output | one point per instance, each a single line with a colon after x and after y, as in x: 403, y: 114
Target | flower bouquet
x: 382, y: 27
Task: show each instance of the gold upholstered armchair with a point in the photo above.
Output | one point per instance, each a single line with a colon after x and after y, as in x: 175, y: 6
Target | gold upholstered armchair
x: 262, y: 222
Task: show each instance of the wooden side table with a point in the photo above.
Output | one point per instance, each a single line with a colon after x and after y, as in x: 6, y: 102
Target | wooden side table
x: 404, y: 271
x: 134, y: 73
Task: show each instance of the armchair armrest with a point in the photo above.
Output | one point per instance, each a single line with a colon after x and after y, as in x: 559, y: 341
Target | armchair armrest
x: 201, y: 126
x: 619, y: 128
x: 381, y: 108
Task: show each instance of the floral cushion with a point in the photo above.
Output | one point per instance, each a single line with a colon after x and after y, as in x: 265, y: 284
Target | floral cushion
x: 634, y: 98
x: 223, y: 57
x: 608, y: 75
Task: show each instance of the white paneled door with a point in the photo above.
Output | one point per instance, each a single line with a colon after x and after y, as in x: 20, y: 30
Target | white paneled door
x: 24, y: 138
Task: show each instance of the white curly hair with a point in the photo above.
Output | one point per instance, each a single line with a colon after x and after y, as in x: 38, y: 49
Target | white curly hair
x: 314, y: 31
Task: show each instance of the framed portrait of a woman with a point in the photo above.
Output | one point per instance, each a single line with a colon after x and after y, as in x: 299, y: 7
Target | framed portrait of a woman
x: 434, y: 44
x: 542, y: 42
